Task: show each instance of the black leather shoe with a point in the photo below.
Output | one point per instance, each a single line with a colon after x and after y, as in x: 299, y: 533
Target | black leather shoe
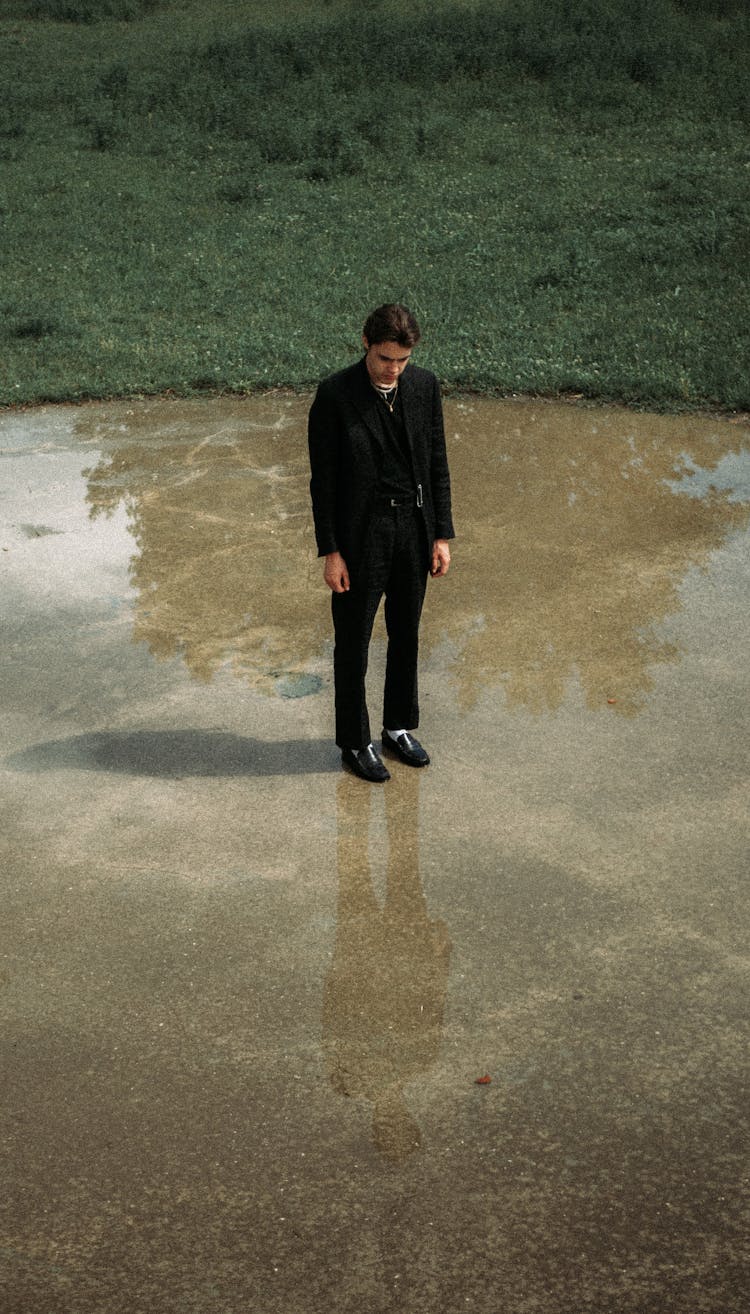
x: 367, y: 763
x: 407, y: 748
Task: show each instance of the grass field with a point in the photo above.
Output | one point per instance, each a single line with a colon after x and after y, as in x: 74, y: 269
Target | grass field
x: 201, y: 196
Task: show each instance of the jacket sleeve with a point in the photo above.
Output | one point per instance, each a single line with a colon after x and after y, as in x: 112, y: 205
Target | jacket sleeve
x: 323, y: 442
x: 439, y: 475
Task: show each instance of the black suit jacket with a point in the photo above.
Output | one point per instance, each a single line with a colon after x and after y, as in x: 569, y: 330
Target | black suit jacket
x: 346, y: 441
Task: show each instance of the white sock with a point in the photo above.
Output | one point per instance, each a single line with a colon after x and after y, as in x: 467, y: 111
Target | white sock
x: 394, y: 734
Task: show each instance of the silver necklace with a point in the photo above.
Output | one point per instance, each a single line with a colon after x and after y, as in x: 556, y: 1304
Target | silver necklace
x: 383, y: 392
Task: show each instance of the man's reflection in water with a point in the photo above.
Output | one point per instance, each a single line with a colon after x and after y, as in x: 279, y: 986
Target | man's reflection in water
x: 385, y: 992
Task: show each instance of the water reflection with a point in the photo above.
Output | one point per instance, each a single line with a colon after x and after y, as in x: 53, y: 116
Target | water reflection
x: 576, y: 530
x: 385, y: 991
x: 575, y: 537
x: 218, y: 505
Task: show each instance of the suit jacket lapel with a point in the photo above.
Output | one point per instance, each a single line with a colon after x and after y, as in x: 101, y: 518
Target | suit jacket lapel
x: 365, y: 399
x: 408, y: 402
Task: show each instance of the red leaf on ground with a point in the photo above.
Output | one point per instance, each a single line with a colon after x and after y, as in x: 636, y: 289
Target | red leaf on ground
x: 483, y: 1081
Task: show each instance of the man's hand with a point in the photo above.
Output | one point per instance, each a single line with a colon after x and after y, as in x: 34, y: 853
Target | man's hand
x: 441, y: 558
x: 335, y: 573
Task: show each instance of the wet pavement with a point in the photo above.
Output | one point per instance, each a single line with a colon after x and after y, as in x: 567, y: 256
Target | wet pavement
x: 246, y: 999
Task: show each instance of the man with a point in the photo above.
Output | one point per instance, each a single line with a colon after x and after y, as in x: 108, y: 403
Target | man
x: 382, y: 509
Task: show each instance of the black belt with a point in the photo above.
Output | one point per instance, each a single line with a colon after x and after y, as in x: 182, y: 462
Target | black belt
x: 385, y: 503
x: 413, y: 499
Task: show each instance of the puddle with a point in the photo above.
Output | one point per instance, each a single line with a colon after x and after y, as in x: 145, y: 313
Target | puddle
x: 575, y: 532
x: 731, y: 476
x: 577, y: 529
x: 263, y: 993
x: 217, y: 505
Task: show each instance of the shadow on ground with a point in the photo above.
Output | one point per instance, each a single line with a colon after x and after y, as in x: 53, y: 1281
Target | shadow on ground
x: 175, y: 754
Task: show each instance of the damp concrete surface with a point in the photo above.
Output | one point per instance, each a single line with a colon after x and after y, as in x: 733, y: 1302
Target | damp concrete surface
x: 275, y: 1040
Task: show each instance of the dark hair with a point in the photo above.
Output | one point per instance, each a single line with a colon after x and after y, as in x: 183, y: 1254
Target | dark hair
x: 392, y: 324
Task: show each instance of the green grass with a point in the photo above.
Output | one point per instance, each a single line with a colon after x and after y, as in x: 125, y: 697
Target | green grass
x: 204, y: 196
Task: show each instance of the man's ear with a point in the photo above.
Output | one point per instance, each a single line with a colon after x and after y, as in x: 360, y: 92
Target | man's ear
x: 365, y: 343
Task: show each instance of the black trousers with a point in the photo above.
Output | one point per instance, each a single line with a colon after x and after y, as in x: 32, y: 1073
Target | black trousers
x: 394, y: 565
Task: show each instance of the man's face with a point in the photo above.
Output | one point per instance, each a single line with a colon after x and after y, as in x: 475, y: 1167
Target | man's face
x: 386, y: 362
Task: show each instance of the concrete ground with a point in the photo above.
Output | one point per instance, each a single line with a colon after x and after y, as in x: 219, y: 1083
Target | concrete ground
x: 249, y: 1003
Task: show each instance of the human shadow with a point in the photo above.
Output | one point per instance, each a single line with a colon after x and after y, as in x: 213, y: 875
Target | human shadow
x: 173, y: 754
x: 385, y: 991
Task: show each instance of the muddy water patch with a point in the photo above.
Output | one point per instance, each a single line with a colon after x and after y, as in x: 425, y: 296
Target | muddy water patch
x: 216, y: 497
x: 576, y: 530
